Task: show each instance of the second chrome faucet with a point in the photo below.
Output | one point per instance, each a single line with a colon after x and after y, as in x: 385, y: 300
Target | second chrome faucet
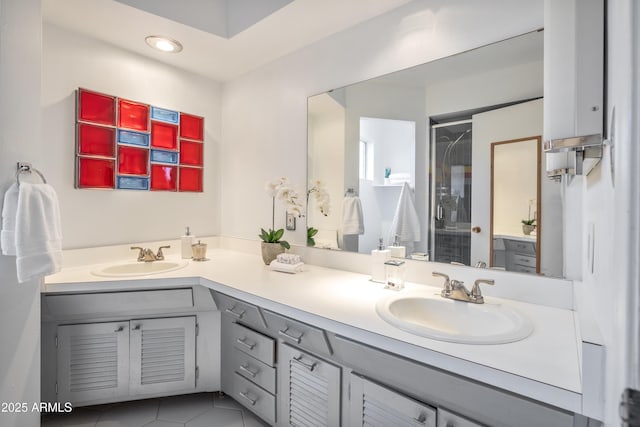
x: 455, y: 289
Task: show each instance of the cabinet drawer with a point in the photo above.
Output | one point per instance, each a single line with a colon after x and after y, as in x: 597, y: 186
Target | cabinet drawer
x: 241, y: 311
x: 529, y: 261
x: 118, y: 302
x: 253, y: 343
x: 520, y: 247
x: 522, y: 269
x: 254, y: 370
x: 254, y: 398
x: 298, y: 333
x: 447, y: 419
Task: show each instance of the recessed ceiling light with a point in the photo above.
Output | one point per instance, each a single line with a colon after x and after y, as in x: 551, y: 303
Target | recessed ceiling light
x: 164, y: 44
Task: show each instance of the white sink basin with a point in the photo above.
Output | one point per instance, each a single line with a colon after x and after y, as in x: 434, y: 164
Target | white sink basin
x: 443, y: 319
x: 130, y: 269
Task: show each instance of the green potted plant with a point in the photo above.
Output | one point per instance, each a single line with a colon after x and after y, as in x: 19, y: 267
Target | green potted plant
x: 272, y: 243
x: 528, y: 225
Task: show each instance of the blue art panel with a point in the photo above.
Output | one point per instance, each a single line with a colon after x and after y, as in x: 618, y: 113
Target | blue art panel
x: 168, y: 116
x: 132, y: 183
x: 162, y: 156
x: 133, y: 138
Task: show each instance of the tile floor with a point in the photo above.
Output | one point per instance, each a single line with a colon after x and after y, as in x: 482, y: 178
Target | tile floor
x: 190, y: 410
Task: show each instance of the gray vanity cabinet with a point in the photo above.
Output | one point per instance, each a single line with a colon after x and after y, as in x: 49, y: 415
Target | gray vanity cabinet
x: 248, y: 364
x: 293, y: 373
x: 93, y: 361
x: 373, y: 404
x: 117, y: 360
x: 309, y: 389
x: 162, y: 355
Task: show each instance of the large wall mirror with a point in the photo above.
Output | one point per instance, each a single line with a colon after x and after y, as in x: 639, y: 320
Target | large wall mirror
x: 420, y: 158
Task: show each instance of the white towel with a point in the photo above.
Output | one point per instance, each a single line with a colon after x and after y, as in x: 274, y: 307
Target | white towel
x: 406, y: 223
x: 352, y: 222
x: 38, y: 232
x: 9, y: 209
x: 286, y: 268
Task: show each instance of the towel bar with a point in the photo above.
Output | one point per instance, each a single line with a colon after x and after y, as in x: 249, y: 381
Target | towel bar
x: 24, y: 167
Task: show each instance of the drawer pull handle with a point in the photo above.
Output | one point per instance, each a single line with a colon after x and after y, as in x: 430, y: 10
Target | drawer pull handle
x: 284, y: 333
x: 234, y: 314
x: 309, y: 366
x: 120, y: 329
x: 244, y: 342
x: 245, y: 369
x: 247, y: 398
x: 422, y: 419
x: 137, y: 327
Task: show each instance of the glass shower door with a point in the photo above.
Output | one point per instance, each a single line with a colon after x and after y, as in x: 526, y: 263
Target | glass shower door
x: 450, y: 205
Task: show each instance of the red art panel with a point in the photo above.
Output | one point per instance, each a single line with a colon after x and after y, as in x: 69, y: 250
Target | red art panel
x: 191, y: 127
x: 164, y: 178
x: 164, y: 135
x: 191, y: 179
x: 96, y: 173
x: 191, y: 153
x: 133, y: 115
x: 133, y: 161
x: 96, y: 140
x: 96, y: 107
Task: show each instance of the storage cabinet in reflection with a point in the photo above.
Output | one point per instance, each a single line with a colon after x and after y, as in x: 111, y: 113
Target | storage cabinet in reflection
x: 515, y: 254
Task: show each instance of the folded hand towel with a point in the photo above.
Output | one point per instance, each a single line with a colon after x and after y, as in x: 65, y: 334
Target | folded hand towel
x: 286, y: 268
x: 9, y: 209
x: 406, y: 223
x: 38, y: 232
x: 352, y: 221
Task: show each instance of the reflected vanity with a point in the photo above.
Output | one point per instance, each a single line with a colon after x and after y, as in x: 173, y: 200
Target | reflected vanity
x: 435, y: 127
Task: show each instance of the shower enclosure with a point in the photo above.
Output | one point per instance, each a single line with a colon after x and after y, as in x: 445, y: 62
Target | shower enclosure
x: 450, y: 182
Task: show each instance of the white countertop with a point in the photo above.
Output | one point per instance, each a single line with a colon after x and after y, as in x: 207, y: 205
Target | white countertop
x: 544, y: 366
x: 522, y: 238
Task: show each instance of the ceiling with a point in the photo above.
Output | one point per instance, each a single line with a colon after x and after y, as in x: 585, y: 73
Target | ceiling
x: 244, y: 39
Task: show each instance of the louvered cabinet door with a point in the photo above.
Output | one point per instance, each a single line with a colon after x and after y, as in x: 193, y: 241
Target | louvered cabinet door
x: 163, y: 356
x: 310, y: 389
x: 93, y: 361
x: 374, y: 405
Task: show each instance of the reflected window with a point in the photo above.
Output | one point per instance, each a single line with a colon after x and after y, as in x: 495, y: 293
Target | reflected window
x: 366, y: 160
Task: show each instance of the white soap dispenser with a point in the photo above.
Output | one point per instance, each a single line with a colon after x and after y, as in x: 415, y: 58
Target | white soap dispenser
x: 378, y: 258
x: 396, y: 250
x: 187, y: 241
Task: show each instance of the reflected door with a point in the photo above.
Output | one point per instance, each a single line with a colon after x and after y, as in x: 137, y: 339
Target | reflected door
x: 518, y: 121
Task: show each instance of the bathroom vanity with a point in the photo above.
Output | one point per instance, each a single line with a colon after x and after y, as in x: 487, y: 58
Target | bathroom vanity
x: 307, y: 346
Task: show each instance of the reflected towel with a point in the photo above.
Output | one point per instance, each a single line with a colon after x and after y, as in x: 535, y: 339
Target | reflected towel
x: 38, y: 232
x: 352, y: 222
x: 9, y: 210
x: 406, y: 223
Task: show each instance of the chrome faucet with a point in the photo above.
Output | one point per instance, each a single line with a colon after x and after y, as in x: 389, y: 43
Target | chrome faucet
x: 455, y: 289
x: 147, y: 255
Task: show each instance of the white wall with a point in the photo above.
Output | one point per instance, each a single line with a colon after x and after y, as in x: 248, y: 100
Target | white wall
x: 265, y: 115
x: 70, y: 61
x: 20, y: 140
x: 610, y: 203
